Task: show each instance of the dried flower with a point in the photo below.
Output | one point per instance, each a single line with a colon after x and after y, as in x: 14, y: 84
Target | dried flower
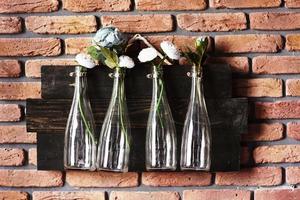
x: 85, y: 60
x: 147, y: 54
x: 109, y: 37
x: 126, y: 62
x: 170, y: 50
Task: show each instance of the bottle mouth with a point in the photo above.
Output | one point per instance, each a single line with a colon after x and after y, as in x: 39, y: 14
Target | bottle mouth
x: 79, y: 72
x: 194, y: 74
x: 116, y: 74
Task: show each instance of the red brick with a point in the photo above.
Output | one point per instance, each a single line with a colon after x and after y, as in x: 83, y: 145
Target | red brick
x: 258, y: 87
x: 30, y: 47
x: 32, y: 156
x: 61, y: 24
x: 216, y: 194
x: 292, y: 87
x: 33, y: 67
x: 293, y: 175
x: 277, y: 194
x: 264, y: 132
x: 277, y: 110
x: 30, y: 178
x: 293, y: 130
x: 209, y: 22
x: 96, y: 5
x: 176, y: 178
x: 140, y: 23
x: 277, y: 154
x: 10, y: 68
x: 101, y: 179
x: 77, y: 45
x: 276, y: 65
x: 248, y: 43
x: 16, y: 134
x: 11, y: 157
x: 20, y: 91
x: 149, y: 5
x: 244, y: 3
x: 28, y: 6
x: 165, y: 195
x: 293, y: 42
x: 275, y: 21
x: 10, y: 113
x: 13, y: 195
x: 181, y: 41
x: 259, y: 176
x: 70, y: 195
x: 10, y: 25
x: 237, y: 64
x: 292, y: 3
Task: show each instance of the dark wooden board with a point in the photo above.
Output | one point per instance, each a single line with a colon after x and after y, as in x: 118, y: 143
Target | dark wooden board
x: 51, y: 115
x: 229, y: 120
x: 48, y: 116
x: 50, y: 151
x: 225, y: 151
x: 56, y: 80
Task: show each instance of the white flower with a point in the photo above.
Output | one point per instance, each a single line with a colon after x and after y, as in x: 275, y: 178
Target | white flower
x: 170, y: 50
x: 147, y: 54
x: 126, y: 61
x: 85, y: 60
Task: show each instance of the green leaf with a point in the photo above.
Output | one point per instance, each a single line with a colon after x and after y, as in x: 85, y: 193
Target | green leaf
x: 201, y: 47
x: 111, y: 57
x: 110, y: 64
x: 94, y: 53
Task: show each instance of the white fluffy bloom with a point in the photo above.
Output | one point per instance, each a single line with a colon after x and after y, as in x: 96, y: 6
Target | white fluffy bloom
x: 147, y: 54
x: 126, y: 61
x: 85, y: 60
x: 170, y: 50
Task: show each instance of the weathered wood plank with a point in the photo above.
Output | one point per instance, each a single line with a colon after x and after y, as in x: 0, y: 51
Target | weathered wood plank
x: 225, y: 151
x: 56, y: 80
x: 48, y: 117
x: 51, y: 115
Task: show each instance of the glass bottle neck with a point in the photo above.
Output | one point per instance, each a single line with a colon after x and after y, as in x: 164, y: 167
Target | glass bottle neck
x: 197, y: 85
x: 158, y: 91
x: 80, y: 82
x: 118, y: 86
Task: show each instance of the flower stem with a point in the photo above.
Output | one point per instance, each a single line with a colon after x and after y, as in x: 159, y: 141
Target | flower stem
x: 86, y: 124
x: 121, y: 102
x: 85, y: 121
x: 161, y: 89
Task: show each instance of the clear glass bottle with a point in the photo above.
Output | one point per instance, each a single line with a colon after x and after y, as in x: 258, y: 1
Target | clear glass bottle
x: 115, y: 136
x: 196, y: 136
x: 161, y: 131
x: 80, y: 143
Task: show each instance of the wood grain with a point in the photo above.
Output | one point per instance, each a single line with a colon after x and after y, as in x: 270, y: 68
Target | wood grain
x: 51, y: 115
x: 48, y: 116
x: 56, y: 80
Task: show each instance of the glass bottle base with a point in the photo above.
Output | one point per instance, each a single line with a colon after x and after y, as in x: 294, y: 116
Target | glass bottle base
x: 80, y: 168
x: 161, y: 168
x: 194, y: 169
x: 112, y: 170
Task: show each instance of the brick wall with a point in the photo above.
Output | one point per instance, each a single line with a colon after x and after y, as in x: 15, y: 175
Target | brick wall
x: 258, y: 38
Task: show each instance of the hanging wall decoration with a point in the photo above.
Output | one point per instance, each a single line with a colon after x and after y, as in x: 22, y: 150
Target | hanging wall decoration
x: 80, y: 141
x: 196, y: 136
x: 161, y: 139
x: 109, y: 47
x: 143, y: 114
